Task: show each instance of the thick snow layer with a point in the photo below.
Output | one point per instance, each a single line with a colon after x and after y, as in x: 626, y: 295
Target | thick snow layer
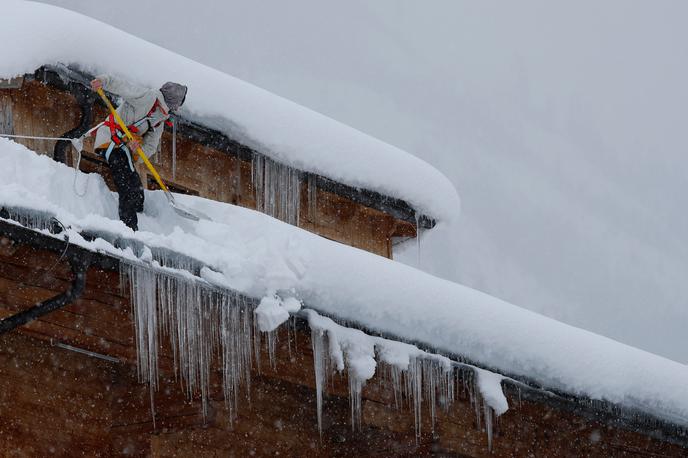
x: 258, y: 255
x: 285, y: 131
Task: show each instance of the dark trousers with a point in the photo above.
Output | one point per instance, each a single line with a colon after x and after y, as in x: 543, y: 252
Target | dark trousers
x: 128, y: 184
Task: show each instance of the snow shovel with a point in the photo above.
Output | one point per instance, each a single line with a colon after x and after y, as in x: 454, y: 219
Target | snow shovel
x: 170, y: 198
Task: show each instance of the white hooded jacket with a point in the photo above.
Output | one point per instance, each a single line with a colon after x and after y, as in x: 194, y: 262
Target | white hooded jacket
x: 137, y: 104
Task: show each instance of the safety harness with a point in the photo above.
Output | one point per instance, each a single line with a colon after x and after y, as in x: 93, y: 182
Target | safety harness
x: 118, y: 136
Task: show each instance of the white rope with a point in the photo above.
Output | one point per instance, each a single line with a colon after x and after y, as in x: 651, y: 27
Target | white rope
x: 32, y: 137
x: 76, y: 173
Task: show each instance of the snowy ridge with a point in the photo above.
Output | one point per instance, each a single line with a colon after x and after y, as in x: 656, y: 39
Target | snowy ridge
x: 287, y: 132
x: 258, y: 256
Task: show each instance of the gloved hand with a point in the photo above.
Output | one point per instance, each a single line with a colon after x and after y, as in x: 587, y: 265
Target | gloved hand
x: 96, y: 84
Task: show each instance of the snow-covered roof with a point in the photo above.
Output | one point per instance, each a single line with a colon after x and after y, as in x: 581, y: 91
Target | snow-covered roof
x: 279, y: 128
x: 256, y: 255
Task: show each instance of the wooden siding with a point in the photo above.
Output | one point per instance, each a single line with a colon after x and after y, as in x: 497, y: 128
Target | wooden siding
x: 39, y: 110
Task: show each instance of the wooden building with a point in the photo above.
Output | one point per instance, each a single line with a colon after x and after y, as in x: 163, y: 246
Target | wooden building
x: 68, y: 347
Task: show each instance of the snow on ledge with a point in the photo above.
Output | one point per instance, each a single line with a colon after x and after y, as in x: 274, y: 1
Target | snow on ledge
x: 287, y: 132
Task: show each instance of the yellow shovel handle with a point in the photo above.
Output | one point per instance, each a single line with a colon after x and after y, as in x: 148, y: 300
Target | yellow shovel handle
x: 143, y: 156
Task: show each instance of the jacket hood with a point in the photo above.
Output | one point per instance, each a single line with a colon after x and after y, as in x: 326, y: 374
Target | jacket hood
x: 174, y: 94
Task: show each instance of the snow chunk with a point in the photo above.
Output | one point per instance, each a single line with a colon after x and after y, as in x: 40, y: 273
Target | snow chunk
x: 273, y: 310
x: 270, y: 313
x: 396, y: 354
x: 490, y: 386
x: 291, y: 305
x: 347, y: 345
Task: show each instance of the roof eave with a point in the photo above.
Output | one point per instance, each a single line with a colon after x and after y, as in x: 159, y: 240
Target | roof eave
x: 61, y: 76
x: 604, y: 412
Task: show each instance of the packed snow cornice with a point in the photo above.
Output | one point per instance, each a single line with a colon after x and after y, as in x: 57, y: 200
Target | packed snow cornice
x: 279, y: 128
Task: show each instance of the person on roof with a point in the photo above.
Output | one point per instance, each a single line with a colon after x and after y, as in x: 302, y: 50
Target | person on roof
x: 145, y: 112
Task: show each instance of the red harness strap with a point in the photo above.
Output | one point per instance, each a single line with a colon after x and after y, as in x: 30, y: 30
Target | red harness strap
x: 116, y: 132
x: 157, y: 105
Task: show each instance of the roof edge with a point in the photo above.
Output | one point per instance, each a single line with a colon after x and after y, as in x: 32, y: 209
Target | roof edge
x: 60, y: 76
x: 605, y: 412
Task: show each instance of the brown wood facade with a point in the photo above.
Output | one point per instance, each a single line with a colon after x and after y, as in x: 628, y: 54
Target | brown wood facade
x: 58, y: 402
x: 38, y: 109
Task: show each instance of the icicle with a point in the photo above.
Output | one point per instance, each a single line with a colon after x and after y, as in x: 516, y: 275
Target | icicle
x: 200, y: 322
x: 258, y: 176
x: 430, y: 380
x: 236, y: 180
x: 296, y: 343
x: 272, y: 344
x: 312, y: 198
x: 236, y: 333
x: 278, y: 189
x: 319, y: 366
x: 174, y: 149
x: 33, y: 219
x: 173, y: 260
x: 416, y: 377
x: 415, y: 390
x: 355, y: 389
x: 395, y: 375
x: 447, y: 388
x: 489, y: 418
x: 488, y: 388
x: 256, y: 344
x: 430, y: 377
x: 290, y: 335
x: 476, y: 399
x: 142, y: 293
x: 418, y: 237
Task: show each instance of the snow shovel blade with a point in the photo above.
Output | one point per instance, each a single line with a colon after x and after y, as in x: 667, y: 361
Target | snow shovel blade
x: 184, y: 213
x: 180, y: 210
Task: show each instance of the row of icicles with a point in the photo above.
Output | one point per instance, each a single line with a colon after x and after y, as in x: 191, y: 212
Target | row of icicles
x: 205, y: 325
